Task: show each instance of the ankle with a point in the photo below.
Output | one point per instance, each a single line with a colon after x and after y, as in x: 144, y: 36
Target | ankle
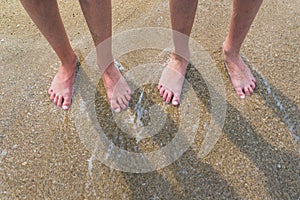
x: 180, y: 58
x: 230, y: 51
x: 110, y: 71
x: 69, y: 62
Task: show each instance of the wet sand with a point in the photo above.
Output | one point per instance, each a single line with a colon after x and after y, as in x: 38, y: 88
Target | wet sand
x: 42, y: 155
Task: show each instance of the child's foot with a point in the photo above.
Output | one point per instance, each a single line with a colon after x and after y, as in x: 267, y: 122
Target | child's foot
x: 240, y: 75
x: 117, y: 89
x: 172, y: 78
x: 61, y: 89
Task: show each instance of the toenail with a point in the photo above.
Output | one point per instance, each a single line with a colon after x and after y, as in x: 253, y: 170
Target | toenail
x: 65, y: 107
x: 117, y: 110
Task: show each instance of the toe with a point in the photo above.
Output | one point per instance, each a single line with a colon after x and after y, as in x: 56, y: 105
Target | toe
x: 117, y: 110
x: 121, y: 103
x: 55, y: 100
x: 240, y: 93
x: 50, y: 91
x: 125, y: 101
x: 127, y: 97
x: 176, y: 100
x: 115, y: 106
x: 169, y: 97
x: 166, y: 93
x: 60, y: 101
x: 246, y: 90
x: 159, y: 86
x: 66, y: 103
x: 250, y: 89
x: 129, y: 91
x: 161, y: 91
x: 52, y: 96
x: 252, y: 84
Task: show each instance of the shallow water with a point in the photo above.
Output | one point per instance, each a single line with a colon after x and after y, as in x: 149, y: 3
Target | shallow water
x: 256, y: 155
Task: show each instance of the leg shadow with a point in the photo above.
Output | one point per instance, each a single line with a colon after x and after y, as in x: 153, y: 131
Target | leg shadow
x: 280, y: 167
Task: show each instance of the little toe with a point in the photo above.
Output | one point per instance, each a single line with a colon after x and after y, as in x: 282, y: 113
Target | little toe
x: 252, y: 85
x: 169, y: 97
x: 60, y: 101
x: 129, y: 91
x: 176, y: 100
x: 159, y: 86
x: 50, y: 91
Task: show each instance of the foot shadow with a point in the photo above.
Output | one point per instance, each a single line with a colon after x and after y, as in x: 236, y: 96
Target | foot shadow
x: 189, y: 178
x: 280, y: 167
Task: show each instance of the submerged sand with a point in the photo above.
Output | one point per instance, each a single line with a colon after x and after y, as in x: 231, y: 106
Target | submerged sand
x: 42, y: 155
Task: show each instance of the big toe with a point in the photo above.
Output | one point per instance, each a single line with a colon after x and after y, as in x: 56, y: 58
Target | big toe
x: 66, y: 103
x: 240, y: 93
x: 176, y: 100
x: 115, y: 106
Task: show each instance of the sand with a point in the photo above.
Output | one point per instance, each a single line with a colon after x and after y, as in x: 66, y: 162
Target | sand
x: 42, y: 151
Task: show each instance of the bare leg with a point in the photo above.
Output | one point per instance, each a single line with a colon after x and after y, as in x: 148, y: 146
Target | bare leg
x: 45, y: 15
x: 98, y: 15
x: 182, y: 19
x: 242, y: 17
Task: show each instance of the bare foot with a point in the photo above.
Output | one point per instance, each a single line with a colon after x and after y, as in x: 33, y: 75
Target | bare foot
x: 172, y: 78
x: 117, y: 89
x: 61, y: 89
x: 240, y: 75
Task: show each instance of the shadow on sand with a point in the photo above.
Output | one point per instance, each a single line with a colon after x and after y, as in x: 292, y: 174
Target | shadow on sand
x: 193, y: 179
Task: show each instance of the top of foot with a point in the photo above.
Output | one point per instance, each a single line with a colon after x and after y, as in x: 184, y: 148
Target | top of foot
x: 240, y: 75
x: 117, y: 89
x: 172, y: 78
x: 61, y: 89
